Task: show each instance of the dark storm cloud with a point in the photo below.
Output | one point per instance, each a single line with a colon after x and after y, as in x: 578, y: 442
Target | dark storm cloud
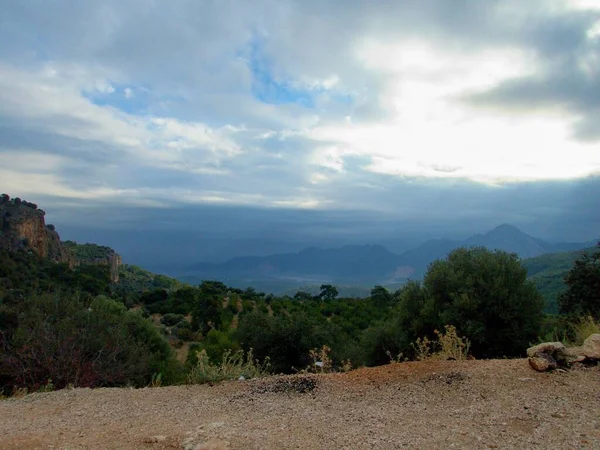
x: 566, y: 53
x: 66, y: 65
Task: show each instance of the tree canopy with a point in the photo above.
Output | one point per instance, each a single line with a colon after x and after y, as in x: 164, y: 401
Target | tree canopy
x: 582, y: 296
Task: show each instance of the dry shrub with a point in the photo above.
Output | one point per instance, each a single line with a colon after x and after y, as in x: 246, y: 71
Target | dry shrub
x: 584, y: 328
x: 233, y: 365
x: 447, y: 346
x: 321, y: 362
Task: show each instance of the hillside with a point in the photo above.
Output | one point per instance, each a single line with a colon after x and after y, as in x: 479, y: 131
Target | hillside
x: 135, y: 279
x: 453, y: 404
x: 23, y: 227
x: 359, y: 266
x: 351, y: 262
x: 548, y: 273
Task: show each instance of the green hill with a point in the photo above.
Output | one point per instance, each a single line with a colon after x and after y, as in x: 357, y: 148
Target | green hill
x: 134, y: 279
x: 548, y: 273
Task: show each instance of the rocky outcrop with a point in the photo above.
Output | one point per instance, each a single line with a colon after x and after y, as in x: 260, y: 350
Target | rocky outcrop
x: 23, y: 227
x: 551, y: 355
x: 92, y: 254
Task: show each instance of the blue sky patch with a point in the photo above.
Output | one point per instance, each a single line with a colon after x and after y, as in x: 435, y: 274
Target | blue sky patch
x: 126, y: 98
x: 276, y: 90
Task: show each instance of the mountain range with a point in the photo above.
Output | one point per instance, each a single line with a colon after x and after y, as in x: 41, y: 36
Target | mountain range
x: 365, y: 264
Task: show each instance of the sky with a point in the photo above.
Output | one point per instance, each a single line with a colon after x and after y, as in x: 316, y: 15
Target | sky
x: 301, y: 120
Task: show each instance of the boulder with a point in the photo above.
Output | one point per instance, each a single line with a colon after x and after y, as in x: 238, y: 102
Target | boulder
x: 575, y: 354
x: 542, y: 363
x: 546, y: 347
x: 591, y: 346
x: 550, y: 355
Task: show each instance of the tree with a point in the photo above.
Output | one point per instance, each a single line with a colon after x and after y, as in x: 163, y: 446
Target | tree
x: 285, y: 340
x: 303, y: 296
x: 87, y: 343
x: 328, y: 292
x: 582, y: 296
x: 381, y: 297
x: 484, y: 294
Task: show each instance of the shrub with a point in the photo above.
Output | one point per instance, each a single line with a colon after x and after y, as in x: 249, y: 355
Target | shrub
x: 320, y: 361
x: 583, y: 328
x: 484, y: 294
x: 217, y: 343
x: 171, y: 319
x: 382, y: 340
x: 286, y: 340
x: 582, y: 296
x: 447, y: 346
x: 87, y: 343
x: 232, y: 366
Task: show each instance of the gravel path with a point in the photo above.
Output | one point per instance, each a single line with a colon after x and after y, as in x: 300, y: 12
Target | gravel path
x: 470, y: 404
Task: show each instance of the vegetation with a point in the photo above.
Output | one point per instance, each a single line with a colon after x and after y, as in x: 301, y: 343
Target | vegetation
x: 582, y: 296
x: 548, y: 273
x: 447, y: 346
x: 86, y: 343
x: 137, y: 280
x: 88, y: 252
x: 232, y: 366
x: 64, y: 326
x: 583, y: 328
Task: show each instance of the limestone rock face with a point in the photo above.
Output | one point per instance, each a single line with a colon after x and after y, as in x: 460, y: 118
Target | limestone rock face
x: 97, y: 255
x: 23, y: 227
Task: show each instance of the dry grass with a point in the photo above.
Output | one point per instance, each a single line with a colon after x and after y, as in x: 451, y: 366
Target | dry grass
x: 584, y: 328
x: 232, y: 366
x: 447, y: 346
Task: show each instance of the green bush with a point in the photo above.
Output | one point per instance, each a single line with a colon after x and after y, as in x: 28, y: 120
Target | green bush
x: 285, y: 340
x: 86, y: 343
x: 582, y: 296
x: 217, y: 343
x: 484, y: 294
x: 171, y: 319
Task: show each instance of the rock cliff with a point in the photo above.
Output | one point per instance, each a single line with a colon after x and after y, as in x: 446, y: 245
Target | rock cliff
x: 96, y: 255
x: 23, y: 227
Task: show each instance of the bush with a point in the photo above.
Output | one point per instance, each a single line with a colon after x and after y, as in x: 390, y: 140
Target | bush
x: 217, y: 343
x: 232, y: 366
x: 86, y: 343
x: 183, y: 331
x: 171, y: 319
x: 583, y: 328
x: 383, y: 342
x: 484, y: 294
x: 286, y: 340
x: 447, y: 346
x: 582, y: 296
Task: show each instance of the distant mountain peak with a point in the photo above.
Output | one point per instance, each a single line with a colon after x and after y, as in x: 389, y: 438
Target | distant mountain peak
x: 505, y: 229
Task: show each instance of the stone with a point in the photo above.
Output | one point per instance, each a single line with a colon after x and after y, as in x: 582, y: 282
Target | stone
x: 546, y: 347
x: 575, y: 354
x: 591, y: 346
x: 542, y: 363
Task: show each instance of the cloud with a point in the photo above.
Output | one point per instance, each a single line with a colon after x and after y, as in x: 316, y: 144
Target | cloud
x: 330, y: 106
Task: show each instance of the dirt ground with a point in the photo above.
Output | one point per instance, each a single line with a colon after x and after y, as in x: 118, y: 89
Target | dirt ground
x: 466, y: 404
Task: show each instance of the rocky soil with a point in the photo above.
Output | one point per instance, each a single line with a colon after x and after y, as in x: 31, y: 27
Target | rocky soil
x: 466, y: 404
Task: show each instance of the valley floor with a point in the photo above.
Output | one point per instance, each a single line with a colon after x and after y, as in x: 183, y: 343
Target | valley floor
x: 470, y: 404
